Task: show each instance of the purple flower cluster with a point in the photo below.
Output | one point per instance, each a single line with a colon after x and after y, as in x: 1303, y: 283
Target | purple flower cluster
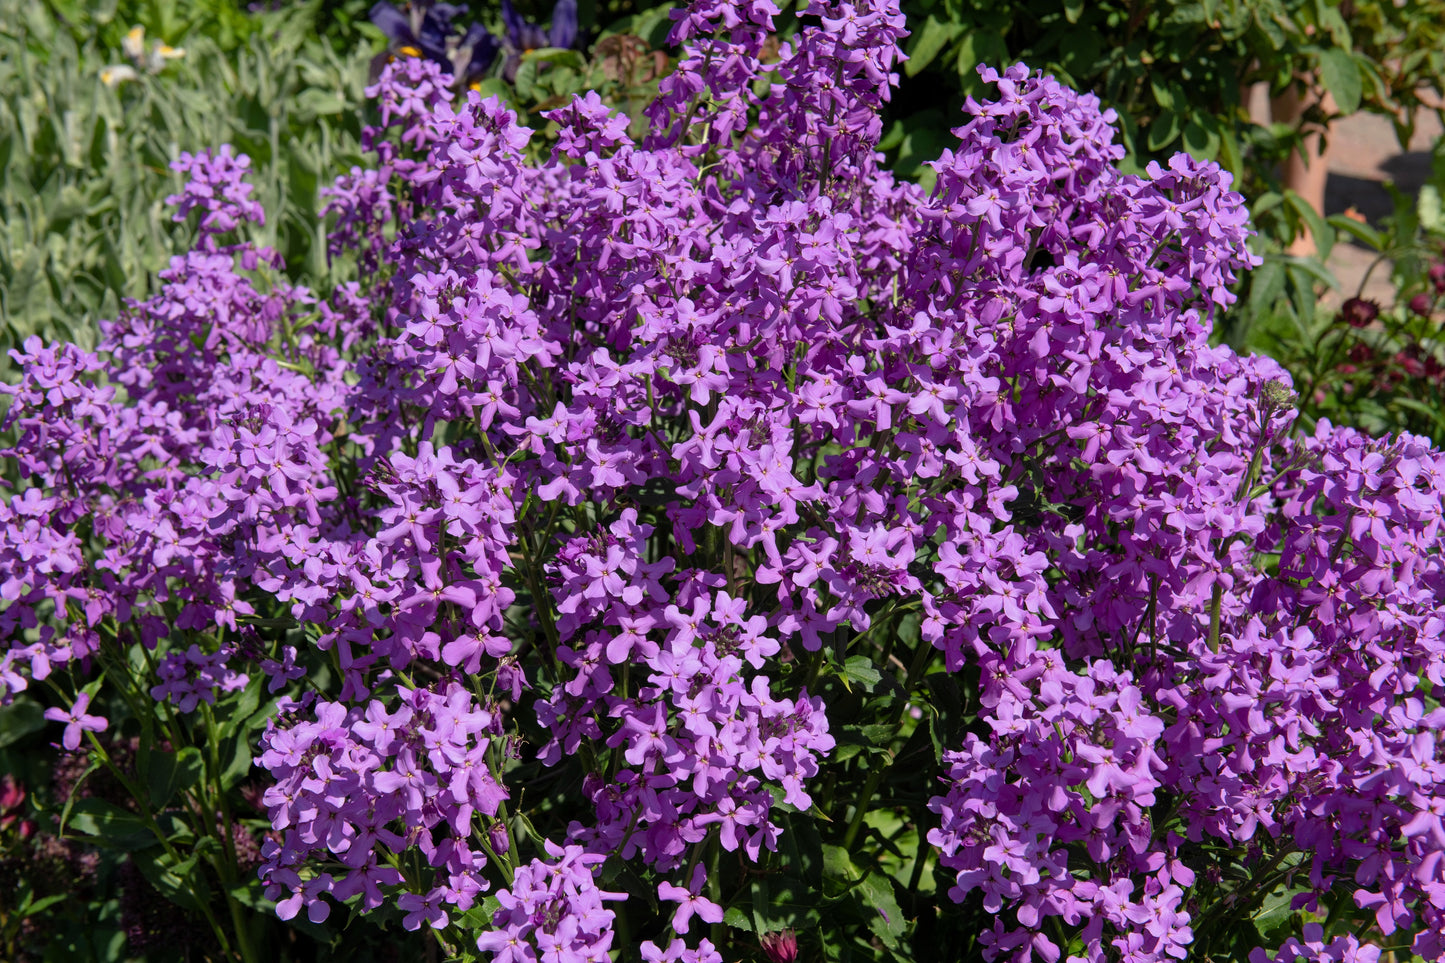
x: 351, y: 779
x: 553, y: 911
x: 608, y: 444
x: 192, y: 677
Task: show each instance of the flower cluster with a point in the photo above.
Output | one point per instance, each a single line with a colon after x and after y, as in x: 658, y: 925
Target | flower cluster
x: 610, y: 466
x: 350, y: 778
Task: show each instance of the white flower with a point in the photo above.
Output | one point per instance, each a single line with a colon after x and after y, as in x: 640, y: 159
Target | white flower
x: 116, y: 74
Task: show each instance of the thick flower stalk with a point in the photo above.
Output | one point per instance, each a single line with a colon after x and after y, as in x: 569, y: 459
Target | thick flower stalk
x: 619, y: 487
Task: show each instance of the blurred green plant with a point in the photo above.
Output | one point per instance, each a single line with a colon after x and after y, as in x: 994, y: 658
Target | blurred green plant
x: 1176, y: 71
x: 84, y: 164
x: 1380, y: 368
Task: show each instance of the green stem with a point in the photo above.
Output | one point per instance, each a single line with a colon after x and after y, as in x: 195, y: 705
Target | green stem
x: 218, y: 822
x: 203, y: 894
x: 1215, y: 599
x: 921, y: 657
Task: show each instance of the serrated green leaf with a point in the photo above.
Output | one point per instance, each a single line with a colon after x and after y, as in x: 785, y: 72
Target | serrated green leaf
x: 859, y: 669
x: 839, y: 865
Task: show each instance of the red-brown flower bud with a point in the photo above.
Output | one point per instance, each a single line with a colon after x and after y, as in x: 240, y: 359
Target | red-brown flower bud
x: 1359, y: 313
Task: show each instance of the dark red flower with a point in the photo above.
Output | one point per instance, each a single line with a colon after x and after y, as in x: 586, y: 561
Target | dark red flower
x: 1359, y: 312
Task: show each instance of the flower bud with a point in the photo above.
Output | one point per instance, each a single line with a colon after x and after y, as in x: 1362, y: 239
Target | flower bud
x: 1359, y: 313
x: 500, y: 842
x: 1410, y: 363
x: 11, y: 794
x: 1437, y: 277
x: 1277, y: 396
x: 1421, y: 304
x: 780, y: 947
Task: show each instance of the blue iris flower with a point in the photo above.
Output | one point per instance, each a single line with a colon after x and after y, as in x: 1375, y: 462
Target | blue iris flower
x: 425, y: 29
x: 524, y: 35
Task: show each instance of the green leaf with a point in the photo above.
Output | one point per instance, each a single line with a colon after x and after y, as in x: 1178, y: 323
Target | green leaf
x: 19, y: 719
x: 1341, y: 77
x: 32, y: 908
x: 110, y: 826
x: 175, y: 880
x: 525, y: 80
x: 235, y: 758
x: 978, y: 47
x: 557, y: 57
x: 1362, y: 232
x: 1163, y: 131
x: 173, y: 772
x: 885, y: 918
x: 1201, y: 137
x: 839, y: 865
x: 1266, y: 285
x: 859, y: 669
x: 1266, y: 202
x: 252, y: 895
x: 1229, y: 156
x: 1431, y: 413
x: 928, y: 42
x: 1323, y: 234
x: 877, y: 735
x: 1163, y: 93
x: 312, y: 103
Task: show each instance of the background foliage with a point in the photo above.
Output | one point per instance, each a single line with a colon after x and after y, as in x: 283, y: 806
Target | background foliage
x: 83, y: 165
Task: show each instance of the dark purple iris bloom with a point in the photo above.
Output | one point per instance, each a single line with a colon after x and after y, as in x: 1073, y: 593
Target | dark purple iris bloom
x: 425, y: 29
x: 523, y: 35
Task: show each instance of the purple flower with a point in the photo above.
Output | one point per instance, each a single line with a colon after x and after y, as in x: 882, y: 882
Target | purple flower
x: 691, y: 902
x: 621, y: 442
x: 76, y: 721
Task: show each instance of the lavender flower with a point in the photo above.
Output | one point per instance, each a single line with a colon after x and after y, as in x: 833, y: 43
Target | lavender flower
x: 625, y: 445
